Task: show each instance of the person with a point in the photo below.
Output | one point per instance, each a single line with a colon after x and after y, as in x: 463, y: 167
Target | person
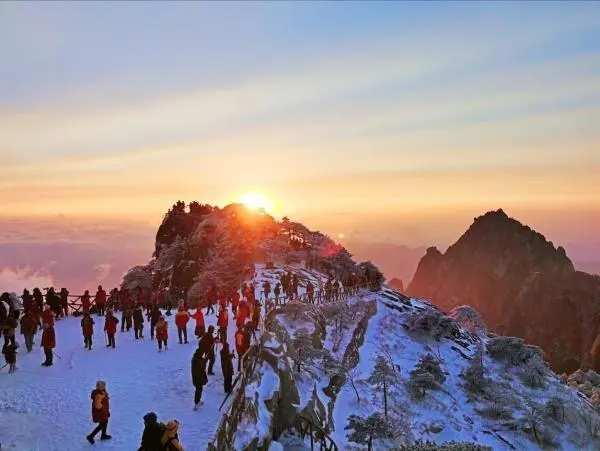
x: 10, y: 356
x: 100, y: 412
x: 154, y: 315
x: 182, y: 317
x: 140, y: 297
x: 222, y: 323
x: 267, y: 289
x: 54, y: 302
x: 211, y: 298
x: 113, y: 300
x: 86, y: 301
x: 295, y: 284
x: 9, y: 330
x: 138, y: 322
x: 242, y: 313
x: 168, y: 299
x: 223, y: 300
x: 29, y: 327
x: 100, y: 300
x: 235, y: 301
x: 241, y: 345
x: 170, y: 439
x: 153, y: 432
x: 27, y: 300
x: 277, y: 292
x: 110, y: 326
x: 310, y: 292
x: 48, y: 316
x: 87, y: 327
x: 207, y: 345
x: 199, y: 317
x: 199, y: 378
x: 64, y: 301
x: 256, y: 315
x: 48, y: 343
x: 227, y: 367
x: 38, y: 298
x: 162, y: 332
x: 126, y: 309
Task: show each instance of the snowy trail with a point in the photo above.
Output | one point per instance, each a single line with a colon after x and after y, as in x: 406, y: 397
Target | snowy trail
x: 49, y: 409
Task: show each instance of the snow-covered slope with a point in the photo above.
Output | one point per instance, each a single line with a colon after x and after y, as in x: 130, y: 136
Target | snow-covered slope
x: 331, y: 351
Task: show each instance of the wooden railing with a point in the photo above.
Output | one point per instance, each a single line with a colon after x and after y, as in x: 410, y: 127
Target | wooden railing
x: 318, y: 437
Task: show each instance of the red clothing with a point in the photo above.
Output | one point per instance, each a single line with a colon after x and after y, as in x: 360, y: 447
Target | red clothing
x: 242, y: 314
x: 199, y: 317
x: 48, y: 338
x: 87, y: 326
x: 110, y: 325
x: 101, y: 297
x: 141, y: 298
x: 223, y: 301
x: 240, y: 343
x: 181, y: 319
x: 223, y: 319
x: 29, y: 325
x: 48, y: 317
x: 85, y: 302
x: 125, y: 300
x: 235, y: 300
x: 102, y: 414
x: 162, y: 330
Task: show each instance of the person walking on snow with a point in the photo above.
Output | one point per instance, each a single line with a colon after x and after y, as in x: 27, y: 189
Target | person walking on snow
x: 211, y: 298
x: 277, y: 292
x: 235, y: 301
x: 162, y: 333
x: 241, y: 345
x: 86, y: 301
x: 267, y: 289
x: 199, y: 378
x: 110, y: 326
x: 29, y: 327
x: 242, y: 313
x: 170, y: 439
x: 87, y: 328
x: 138, y: 322
x: 48, y: 316
x: 207, y: 345
x: 48, y: 343
x: 310, y: 292
x: 227, y: 367
x: 153, y: 432
x: 222, y: 323
x: 182, y: 317
x: 199, y: 317
x: 154, y: 315
x: 100, y: 412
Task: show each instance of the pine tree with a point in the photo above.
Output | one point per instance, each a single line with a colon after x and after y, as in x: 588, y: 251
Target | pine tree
x: 383, y: 376
x: 427, y: 375
x: 365, y: 430
x: 474, y: 375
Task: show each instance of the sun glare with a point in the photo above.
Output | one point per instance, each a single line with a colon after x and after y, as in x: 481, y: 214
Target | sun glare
x: 257, y: 201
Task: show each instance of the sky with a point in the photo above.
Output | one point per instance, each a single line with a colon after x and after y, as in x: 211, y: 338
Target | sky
x: 382, y: 121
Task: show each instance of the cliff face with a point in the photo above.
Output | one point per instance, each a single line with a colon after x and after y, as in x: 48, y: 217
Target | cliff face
x: 521, y: 284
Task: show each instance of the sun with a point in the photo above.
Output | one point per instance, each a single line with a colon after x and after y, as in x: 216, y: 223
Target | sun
x: 255, y: 200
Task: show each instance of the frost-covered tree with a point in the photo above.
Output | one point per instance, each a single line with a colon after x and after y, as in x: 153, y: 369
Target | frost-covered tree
x: 365, y: 430
x: 384, y: 376
x: 305, y: 352
x: 474, y: 375
x: 427, y: 375
x: 432, y: 322
x: 470, y: 319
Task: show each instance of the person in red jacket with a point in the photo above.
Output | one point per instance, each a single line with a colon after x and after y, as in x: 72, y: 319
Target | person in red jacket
x: 110, y: 326
x: 48, y: 343
x: 223, y: 299
x: 29, y: 326
x: 48, y: 316
x: 126, y: 309
x: 256, y: 315
x: 87, y: 327
x: 100, y: 300
x: 100, y: 412
x: 86, y: 301
x: 162, y: 333
x: 141, y: 297
x: 241, y: 345
x: 199, y: 317
x: 222, y: 323
x: 181, y: 319
x: 242, y: 313
x: 235, y: 301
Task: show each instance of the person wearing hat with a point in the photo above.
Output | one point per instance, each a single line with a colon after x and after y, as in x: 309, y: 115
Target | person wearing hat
x: 87, y: 328
x: 48, y: 343
x: 110, y: 326
x: 170, y: 439
x: 199, y: 378
x: 207, y: 346
x: 100, y: 412
x: 162, y: 332
x: 153, y: 433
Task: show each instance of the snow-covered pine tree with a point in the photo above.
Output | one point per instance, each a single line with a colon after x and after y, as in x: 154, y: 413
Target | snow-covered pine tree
x: 365, y: 430
x: 474, y: 374
x: 427, y: 375
x: 383, y: 377
x: 306, y: 353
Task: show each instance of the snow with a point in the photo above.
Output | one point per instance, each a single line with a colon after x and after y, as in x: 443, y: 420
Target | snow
x: 49, y: 409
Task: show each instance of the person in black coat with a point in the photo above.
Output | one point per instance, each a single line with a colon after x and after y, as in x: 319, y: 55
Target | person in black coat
x: 138, y: 322
x: 227, y: 367
x: 153, y: 432
x: 199, y: 378
x: 207, y: 346
x: 153, y: 316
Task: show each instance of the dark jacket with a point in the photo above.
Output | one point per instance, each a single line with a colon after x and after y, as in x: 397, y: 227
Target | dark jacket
x: 199, y: 369
x: 226, y: 363
x: 154, y: 316
x: 206, y: 344
x: 138, y: 317
x: 153, y: 432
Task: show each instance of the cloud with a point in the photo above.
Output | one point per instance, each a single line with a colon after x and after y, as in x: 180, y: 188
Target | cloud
x: 16, y: 279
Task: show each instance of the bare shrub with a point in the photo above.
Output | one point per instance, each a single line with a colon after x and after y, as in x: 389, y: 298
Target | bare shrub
x: 432, y: 323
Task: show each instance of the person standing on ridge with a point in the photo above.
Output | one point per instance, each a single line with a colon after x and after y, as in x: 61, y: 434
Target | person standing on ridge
x: 199, y: 378
x: 162, y: 333
x: 226, y: 367
x: 182, y: 317
x: 199, y: 317
x: 110, y: 326
x: 277, y: 293
x: 266, y: 289
x: 27, y: 300
x: 100, y: 412
x: 241, y: 345
x: 235, y: 301
x: 87, y: 327
x: 310, y: 292
x: 29, y: 327
x: 222, y: 323
x: 48, y: 316
x: 39, y: 299
x: 207, y: 346
x: 138, y: 322
x: 48, y: 343
x: 100, y: 300
x: 126, y: 309
x: 64, y: 300
x: 168, y: 299
x: 153, y: 316
x: 86, y: 301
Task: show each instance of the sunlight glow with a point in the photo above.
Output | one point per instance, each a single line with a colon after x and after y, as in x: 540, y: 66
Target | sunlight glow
x: 255, y: 200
